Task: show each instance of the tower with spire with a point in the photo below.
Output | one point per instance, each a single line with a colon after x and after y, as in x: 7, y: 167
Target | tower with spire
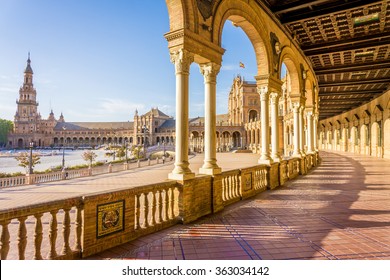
x: 27, y: 116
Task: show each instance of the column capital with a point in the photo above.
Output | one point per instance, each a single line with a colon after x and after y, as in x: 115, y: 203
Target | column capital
x: 274, y: 97
x: 263, y: 92
x: 209, y: 71
x: 182, y: 60
x: 296, y: 107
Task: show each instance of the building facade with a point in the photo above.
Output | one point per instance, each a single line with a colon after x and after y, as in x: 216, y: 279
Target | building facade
x: 235, y: 130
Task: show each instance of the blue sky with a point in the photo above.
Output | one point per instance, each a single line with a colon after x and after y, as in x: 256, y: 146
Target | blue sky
x: 93, y: 61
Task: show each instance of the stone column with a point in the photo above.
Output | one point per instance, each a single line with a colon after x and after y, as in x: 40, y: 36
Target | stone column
x: 301, y: 130
x: 286, y: 140
x: 296, y: 109
x: 209, y: 72
x: 315, y: 131
x: 265, y: 157
x: 310, y: 144
x: 275, y: 126
x: 182, y: 60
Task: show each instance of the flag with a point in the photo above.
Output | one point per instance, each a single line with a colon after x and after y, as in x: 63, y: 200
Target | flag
x: 242, y: 65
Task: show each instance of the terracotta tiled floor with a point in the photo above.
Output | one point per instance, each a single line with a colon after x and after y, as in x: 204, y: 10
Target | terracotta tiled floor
x: 341, y: 210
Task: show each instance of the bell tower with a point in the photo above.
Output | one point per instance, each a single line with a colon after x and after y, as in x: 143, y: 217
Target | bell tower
x: 27, y: 106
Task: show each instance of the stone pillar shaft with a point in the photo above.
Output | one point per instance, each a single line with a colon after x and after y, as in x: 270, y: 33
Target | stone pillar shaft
x: 265, y: 152
x: 297, y: 152
x: 315, y: 131
x: 301, y: 131
x: 310, y: 143
x: 275, y: 126
x: 182, y: 60
x: 210, y: 71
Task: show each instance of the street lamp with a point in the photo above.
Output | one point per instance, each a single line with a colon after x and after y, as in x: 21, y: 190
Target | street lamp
x: 126, y: 146
x: 145, y: 129
x: 63, y: 149
x: 30, y: 168
x: 163, y: 146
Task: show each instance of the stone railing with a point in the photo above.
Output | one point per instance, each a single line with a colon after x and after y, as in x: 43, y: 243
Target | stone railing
x: 12, y: 181
x: 231, y: 186
x: 42, y: 231
x: 67, y: 174
x: 83, y: 226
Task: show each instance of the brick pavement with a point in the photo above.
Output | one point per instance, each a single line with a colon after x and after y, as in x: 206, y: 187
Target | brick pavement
x: 340, y: 210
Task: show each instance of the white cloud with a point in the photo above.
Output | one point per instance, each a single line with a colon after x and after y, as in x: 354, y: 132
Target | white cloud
x: 112, y: 105
x: 230, y: 67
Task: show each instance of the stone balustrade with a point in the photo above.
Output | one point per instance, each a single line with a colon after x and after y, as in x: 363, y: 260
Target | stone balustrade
x: 38, y: 178
x: 82, y: 226
x: 26, y: 228
x: 12, y: 181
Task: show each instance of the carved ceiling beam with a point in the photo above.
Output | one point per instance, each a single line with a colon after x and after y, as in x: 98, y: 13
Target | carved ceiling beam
x: 371, y: 92
x: 357, y: 82
x: 333, y: 8
x: 353, y: 68
x: 369, y: 41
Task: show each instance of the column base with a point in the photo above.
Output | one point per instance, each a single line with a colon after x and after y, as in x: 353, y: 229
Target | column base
x: 276, y: 158
x: 210, y: 171
x: 265, y: 161
x: 181, y: 177
x: 297, y: 155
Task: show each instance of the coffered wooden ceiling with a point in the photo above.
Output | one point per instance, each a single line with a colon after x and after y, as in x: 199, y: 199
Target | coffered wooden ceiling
x: 348, y: 44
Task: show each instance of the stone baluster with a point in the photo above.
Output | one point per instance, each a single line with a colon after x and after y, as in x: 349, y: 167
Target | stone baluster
x: 79, y: 226
x: 166, y: 204
x: 22, y: 237
x: 159, y: 207
x: 153, y: 204
x: 146, y: 211
x: 38, y: 236
x: 53, y: 234
x: 171, y: 203
x: 4, y: 240
x: 66, y: 232
x: 137, y: 223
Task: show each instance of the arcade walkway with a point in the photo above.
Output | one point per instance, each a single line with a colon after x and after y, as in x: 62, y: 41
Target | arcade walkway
x: 340, y: 210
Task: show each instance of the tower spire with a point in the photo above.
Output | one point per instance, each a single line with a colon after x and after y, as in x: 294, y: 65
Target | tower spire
x: 28, y: 67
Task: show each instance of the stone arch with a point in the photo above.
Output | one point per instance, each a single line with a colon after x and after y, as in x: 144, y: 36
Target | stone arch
x: 309, y: 93
x: 253, y: 115
x: 293, y: 69
x: 236, y: 139
x: 247, y: 17
x: 20, y: 143
x: 180, y: 14
x: 354, y: 139
x: 386, y: 139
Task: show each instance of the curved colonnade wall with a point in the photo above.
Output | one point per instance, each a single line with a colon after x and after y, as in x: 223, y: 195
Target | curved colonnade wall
x: 364, y: 130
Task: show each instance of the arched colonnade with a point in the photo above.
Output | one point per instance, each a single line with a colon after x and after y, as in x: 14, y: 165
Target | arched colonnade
x: 195, y: 37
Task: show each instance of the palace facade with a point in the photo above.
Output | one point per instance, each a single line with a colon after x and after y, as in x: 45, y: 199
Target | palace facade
x: 238, y: 129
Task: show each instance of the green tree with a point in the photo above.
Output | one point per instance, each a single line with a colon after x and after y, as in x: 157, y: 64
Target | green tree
x: 24, y: 160
x: 89, y: 156
x: 121, y: 153
x: 137, y: 152
x: 6, y: 127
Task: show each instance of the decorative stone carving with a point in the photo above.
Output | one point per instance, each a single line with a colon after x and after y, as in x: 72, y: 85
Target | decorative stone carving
x: 205, y: 8
x: 182, y: 60
x: 264, y: 94
x: 276, y: 50
x: 210, y: 72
